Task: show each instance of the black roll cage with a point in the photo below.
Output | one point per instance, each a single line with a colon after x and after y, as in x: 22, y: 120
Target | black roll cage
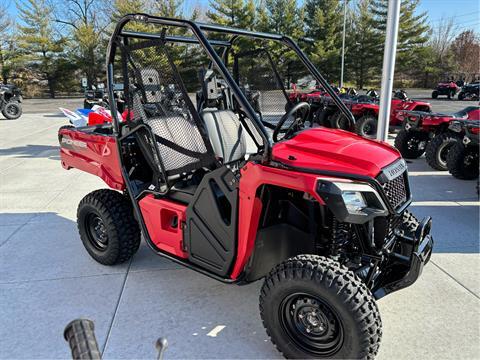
x: 199, y: 38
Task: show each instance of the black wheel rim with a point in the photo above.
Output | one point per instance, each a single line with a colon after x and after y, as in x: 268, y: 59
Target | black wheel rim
x: 11, y: 110
x: 312, y: 324
x: 443, y: 153
x: 96, y: 232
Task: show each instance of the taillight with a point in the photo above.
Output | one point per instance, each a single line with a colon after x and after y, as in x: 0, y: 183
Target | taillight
x: 475, y: 130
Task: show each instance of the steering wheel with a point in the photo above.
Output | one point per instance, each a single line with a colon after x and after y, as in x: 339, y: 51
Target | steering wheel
x: 303, y: 109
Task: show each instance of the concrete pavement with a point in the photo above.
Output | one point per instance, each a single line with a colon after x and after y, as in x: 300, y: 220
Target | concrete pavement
x: 48, y: 279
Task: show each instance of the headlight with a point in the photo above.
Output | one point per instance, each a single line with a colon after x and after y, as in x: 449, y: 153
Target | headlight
x: 351, y: 202
x: 354, y: 201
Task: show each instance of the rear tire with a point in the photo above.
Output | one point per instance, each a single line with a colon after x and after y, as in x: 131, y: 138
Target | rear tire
x: 339, y: 121
x: 108, y: 230
x: 461, y: 95
x: 462, y: 161
x: 411, y: 144
x: 12, y: 110
x: 437, y: 150
x: 434, y: 94
x: 313, y: 307
x: 366, y: 126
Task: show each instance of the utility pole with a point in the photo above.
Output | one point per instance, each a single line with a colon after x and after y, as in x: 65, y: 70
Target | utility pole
x: 343, y: 41
x: 388, y: 71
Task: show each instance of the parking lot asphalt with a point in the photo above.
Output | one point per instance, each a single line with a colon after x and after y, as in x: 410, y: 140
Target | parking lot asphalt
x: 47, y: 278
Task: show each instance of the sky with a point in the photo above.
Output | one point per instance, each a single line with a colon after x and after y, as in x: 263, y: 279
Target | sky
x: 465, y: 13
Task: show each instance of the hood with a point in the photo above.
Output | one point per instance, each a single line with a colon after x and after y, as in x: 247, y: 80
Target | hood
x: 335, y: 150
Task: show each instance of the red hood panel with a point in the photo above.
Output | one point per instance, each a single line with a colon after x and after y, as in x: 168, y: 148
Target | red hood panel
x: 335, y: 150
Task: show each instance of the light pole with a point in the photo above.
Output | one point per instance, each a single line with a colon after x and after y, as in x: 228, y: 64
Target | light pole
x: 388, y: 71
x: 343, y: 41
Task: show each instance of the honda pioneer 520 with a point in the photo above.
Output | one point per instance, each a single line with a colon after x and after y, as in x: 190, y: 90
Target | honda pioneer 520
x: 320, y: 214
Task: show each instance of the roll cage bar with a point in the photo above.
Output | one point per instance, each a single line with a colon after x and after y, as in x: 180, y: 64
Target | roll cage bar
x: 199, y: 38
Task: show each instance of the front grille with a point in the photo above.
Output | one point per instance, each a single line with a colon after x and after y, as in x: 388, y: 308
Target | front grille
x: 396, y: 191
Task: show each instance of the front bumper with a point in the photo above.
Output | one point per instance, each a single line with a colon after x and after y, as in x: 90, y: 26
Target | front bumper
x: 405, y: 268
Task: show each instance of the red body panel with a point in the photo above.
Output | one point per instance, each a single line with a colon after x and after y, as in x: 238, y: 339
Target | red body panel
x: 253, y: 176
x: 335, y: 150
x: 406, y: 105
x: 92, y: 153
x: 163, y: 219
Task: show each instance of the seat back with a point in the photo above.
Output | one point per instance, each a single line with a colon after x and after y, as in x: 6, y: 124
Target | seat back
x: 156, y: 96
x: 226, y: 134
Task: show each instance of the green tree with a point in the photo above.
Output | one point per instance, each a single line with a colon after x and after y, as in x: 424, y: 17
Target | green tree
x: 7, y: 50
x: 235, y: 13
x: 363, y: 56
x: 120, y: 8
x: 324, y: 24
x: 412, y: 35
x: 87, y: 25
x: 42, y: 47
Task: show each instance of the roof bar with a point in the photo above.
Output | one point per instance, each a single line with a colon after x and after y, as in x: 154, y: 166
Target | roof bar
x: 179, y: 39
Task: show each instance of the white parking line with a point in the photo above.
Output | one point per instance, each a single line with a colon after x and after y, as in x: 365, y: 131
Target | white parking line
x: 446, y: 203
x: 214, y: 332
x: 428, y: 173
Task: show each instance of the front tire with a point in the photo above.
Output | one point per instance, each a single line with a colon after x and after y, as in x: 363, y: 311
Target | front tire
x: 12, y: 110
x: 411, y: 144
x: 434, y: 94
x: 366, y: 126
x: 313, y: 307
x: 437, y: 150
x: 108, y: 230
x: 461, y: 95
x: 462, y: 161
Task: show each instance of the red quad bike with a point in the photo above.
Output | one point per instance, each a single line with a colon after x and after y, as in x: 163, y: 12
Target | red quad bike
x: 445, y: 88
x: 429, y: 133
x: 365, y: 111
x: 319, y: 214
x: 462, y: 159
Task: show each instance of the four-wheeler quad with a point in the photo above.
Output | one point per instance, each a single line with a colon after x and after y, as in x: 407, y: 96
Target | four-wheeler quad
x: 470, y: 91
x: 446, y: 88
x: 366, y: 113
x: 10, y: 101
x: 100, y: 97
x: 429, y: 133
x: 319, y: 214
x: 462, y: 159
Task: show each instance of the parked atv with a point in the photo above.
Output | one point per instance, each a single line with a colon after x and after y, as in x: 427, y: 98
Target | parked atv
x: 445, y: 88
x: 470, y: 91
x: 462, y: 159
x: 319, y: 214
x: 430, y: 133
x: 99, y: 97
x: 10, y: 101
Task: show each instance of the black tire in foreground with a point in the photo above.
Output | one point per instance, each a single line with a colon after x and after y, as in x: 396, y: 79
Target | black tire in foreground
x: 107, y: 226
x: 463, y: 162
x: 313, y: 307
x: 366, y: 126
x: 12, y: 110
x: 437, y: 149
x: 411, y: 144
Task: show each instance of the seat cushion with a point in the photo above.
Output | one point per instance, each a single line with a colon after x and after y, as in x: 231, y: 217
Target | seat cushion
x: 226, y: 134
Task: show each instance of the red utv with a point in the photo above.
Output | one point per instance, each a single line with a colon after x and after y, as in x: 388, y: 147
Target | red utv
x: 463, y: 157
x: 429, y: 133
x: 319, y: 214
